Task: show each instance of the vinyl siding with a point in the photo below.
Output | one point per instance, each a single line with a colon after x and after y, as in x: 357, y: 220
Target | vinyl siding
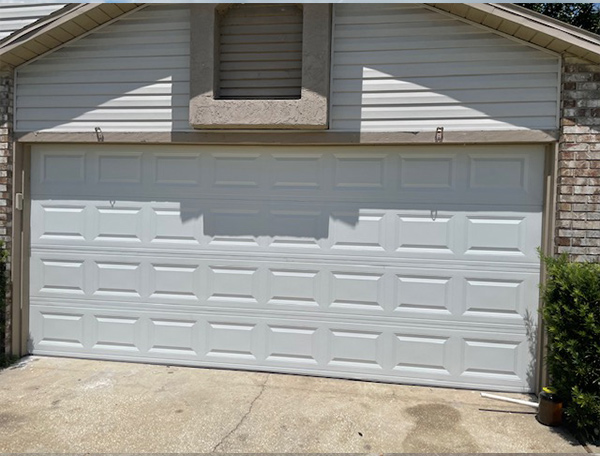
x: 15, y: 16
x: 395, y: 68
x: 408, y: 68
x: 132, y: 75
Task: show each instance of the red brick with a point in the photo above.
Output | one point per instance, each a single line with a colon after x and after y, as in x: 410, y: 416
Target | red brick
x: 572, y: 198
x: 565, y: 207
x: 564, y: 224
x: 6, y: 173
x: 567, y: 172
x: 584, y: 207
x: 593, y: 172
x: 564, y: 189
x: 578, y: 199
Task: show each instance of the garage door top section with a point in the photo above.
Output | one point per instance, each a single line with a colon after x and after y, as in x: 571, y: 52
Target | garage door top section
x: 334, y: 201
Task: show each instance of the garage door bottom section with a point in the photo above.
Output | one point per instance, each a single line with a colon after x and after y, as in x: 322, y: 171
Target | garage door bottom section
x: 419, y: 352
x: 413, y: 266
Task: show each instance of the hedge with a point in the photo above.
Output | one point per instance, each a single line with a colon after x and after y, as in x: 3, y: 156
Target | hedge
x: 572, y: 316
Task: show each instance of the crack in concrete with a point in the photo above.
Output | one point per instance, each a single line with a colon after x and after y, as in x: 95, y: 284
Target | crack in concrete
x: 237, y: 426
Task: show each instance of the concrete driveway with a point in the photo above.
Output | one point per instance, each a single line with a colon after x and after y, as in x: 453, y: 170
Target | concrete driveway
x: 68, y: 405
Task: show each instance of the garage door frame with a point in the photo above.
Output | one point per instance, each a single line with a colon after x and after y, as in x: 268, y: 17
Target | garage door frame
x: 21, y: 247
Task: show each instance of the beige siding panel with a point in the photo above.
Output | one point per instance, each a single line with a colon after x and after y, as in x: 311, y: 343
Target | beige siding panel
x: 508, y: 27
x: 99, y: 16
x: 404, y: 67
x: 492, y: 21
x: 73, y: 28
x: 541, y: 39
x: 60, y: 35
x: 85, y: 22
x: 35, y: 46
x: 112, y: 10
x: 460, y: 9
x: 25, y: 53
x: 52, y: 42
x: 476, y: 16
x: 132, y: 75
x: 551, y: 46
x: 525, y: 33
x: 15, y: 16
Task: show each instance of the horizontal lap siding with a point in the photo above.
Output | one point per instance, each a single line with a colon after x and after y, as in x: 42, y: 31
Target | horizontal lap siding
x: 15, y: 16
x: 132, y: 75
x: 407, y: 68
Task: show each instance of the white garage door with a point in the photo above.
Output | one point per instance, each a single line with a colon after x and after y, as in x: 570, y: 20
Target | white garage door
x: 402, y: 264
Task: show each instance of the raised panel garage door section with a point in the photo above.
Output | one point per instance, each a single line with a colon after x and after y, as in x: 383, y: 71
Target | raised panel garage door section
x: 402, y: 264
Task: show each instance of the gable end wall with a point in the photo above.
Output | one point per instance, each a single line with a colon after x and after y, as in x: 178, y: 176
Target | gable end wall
x: 578, y: 185
x: 578, y: 199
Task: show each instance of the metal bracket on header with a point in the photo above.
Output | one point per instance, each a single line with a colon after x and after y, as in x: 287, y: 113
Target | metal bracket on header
x: 439, y: 134
x: 99, y: 134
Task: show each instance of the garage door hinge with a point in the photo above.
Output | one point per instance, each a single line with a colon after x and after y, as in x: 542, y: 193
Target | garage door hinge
x: 19, y: 201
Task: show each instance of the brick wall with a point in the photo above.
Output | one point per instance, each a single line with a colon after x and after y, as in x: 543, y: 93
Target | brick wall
x: 578, y: 203
x: 6, y: 110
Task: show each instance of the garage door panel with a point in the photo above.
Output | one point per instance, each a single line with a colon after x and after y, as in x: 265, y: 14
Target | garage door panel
x: 179, y: 170
x: 119, y: 167
x: 429, y: 172
x: 59, y: 167
x: 173, y: 224
x: 380, y: 293
x: 510, y: 234
x: 174, y: 281
x: 354, y: 172
x: 294, y: 345
x: 507, y: 172
x: 234, y: 284
x: 416, y: 354
x: 489, y: 175
x: 390, y: 263
x: 291, y: 287
x: 58, y: 329
x: 59, y: 221
x: 119, y: 278
x: 426, y: 233
x: 297, y: 171
x: 116, y: 333
x: 177, y: 338
x: 120, y: 222
x: 326, y: 347
x: 362, y: 230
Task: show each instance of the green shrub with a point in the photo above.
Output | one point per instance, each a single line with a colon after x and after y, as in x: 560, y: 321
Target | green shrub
x: 572, y: 316
x: 7, y: 360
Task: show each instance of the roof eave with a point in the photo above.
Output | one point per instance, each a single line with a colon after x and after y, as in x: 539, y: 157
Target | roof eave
x: 74, y: 21
x: 58, y: 28
x: 528, y: 26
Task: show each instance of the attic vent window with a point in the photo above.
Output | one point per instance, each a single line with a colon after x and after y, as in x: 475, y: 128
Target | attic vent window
x: 259, y: 66
x: 260, y: 52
